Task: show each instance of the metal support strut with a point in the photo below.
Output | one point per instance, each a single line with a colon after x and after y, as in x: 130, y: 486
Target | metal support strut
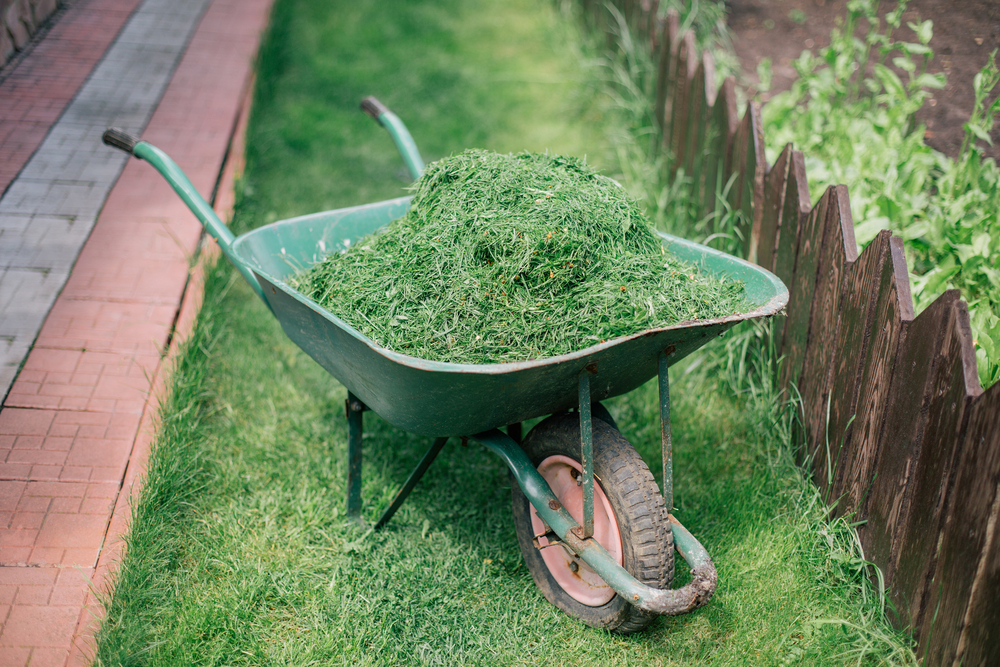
x: 355, y: 409
x: 586, y: 455
x: 668, y: 455
x: 415, y: 476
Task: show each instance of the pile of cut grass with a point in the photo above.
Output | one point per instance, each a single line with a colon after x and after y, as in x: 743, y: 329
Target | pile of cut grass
x: 513, y: 257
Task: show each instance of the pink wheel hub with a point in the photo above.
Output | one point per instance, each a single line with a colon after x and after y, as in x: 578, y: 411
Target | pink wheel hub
x: 574, y: 576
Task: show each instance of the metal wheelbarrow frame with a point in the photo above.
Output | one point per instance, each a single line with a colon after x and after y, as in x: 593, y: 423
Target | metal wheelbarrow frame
x: 445, y: 400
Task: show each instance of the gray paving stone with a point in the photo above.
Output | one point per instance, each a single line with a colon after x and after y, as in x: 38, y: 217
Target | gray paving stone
x: 12, y: 354
x: 49, y: 210
x: 14, y: 223
x: 52, y: 243
x: 21, y: 289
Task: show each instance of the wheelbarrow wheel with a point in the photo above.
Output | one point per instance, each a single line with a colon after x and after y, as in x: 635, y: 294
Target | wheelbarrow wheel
x: 630, y: 521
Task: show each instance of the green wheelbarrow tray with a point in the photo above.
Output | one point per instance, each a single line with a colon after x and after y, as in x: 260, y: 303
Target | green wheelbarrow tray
x: 444, y: 399
x: 436, y: 398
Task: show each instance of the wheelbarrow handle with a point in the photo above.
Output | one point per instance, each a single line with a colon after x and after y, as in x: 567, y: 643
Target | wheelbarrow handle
x: 160, y: 161
x: 397, y: 130
x: 120, y: 139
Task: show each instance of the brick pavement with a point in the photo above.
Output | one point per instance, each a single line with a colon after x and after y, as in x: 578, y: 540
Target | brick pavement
x: 78, y: 419
x: 34, y: 94
x: 49, y: 208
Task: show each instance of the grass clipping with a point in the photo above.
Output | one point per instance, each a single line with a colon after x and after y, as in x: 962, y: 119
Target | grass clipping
x: 509, y: 258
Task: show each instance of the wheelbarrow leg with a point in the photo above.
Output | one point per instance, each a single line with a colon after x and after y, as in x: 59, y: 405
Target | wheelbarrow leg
x: 586, y: 455
x: 355, y: 409
x: 668, y: 457
x: 415, y: 476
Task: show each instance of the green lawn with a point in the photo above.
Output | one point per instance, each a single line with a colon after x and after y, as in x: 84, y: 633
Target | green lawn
x: 239, y: 551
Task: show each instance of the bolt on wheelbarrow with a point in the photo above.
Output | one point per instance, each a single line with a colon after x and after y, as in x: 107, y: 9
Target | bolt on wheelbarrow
x: 595, y: 531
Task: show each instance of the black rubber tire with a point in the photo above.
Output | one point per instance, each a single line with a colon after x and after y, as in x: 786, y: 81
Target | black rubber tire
x: 647, y: 542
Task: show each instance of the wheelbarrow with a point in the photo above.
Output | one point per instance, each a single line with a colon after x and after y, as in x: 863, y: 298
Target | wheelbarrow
x: 594, y: 529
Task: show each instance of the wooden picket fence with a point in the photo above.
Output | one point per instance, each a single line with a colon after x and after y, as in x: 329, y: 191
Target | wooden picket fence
x: 899, y: 431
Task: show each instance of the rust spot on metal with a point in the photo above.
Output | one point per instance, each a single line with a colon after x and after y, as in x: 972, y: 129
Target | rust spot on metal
x: 554, y: 505
x: 635, y: 597
x: 670, y: 350
x: 592, y: 368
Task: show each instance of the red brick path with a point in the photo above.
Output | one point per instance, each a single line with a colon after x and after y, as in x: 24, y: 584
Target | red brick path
x: 77, y: 424
x: 35, y: 93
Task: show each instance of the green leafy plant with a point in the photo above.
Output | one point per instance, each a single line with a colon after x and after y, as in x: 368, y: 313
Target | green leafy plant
x: 852, y: 113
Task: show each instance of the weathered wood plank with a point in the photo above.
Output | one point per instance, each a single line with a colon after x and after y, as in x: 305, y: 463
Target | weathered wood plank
x: 628, y: 10
x: 587, y: 13
x: 665, y: 74
x: 852, y: 338
x: 980, y: 641
x: 721, y: 129
x: 906, y: 412
x: 774, y: 201
x: 652, y: 26
x: 702, y: 92
x: 609, y: 24
x: 965, y: 590
x: 752, y: 179
x: 795, y: 211
x: 686, y: 64
x: 943, y: 441
x: 891, y: 307
x: 736, y: 159
x: 802, y: 285
x: 634, y: 15
x: 839, y: 253
x: 594, y: 14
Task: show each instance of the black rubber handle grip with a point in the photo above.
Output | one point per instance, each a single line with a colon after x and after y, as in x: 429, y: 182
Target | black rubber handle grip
x: 120, y: 139
x: 373, y: 107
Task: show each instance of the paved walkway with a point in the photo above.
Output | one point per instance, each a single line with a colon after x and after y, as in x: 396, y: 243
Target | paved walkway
x: 96, y: 283
x: 50, y: 207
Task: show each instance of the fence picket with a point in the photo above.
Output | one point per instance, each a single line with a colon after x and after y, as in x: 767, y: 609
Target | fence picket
x: 794, y: 213
x: 943, y: 440
x: 596, y: 13
x: 801, y: 288
x: 686, y: 63
x: 971, y: 544
x: 892, y: 307
x: 906, y: 413
x: 735, y: 161
x: 774, y: 203
x: 834, y: 262
x: 853, y: 322
x: 665, y: 74
x: 701, y: 94
x: 722, y: 127
x: 627, y: 9
x: 752, y: 179
x: 652, y: 25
